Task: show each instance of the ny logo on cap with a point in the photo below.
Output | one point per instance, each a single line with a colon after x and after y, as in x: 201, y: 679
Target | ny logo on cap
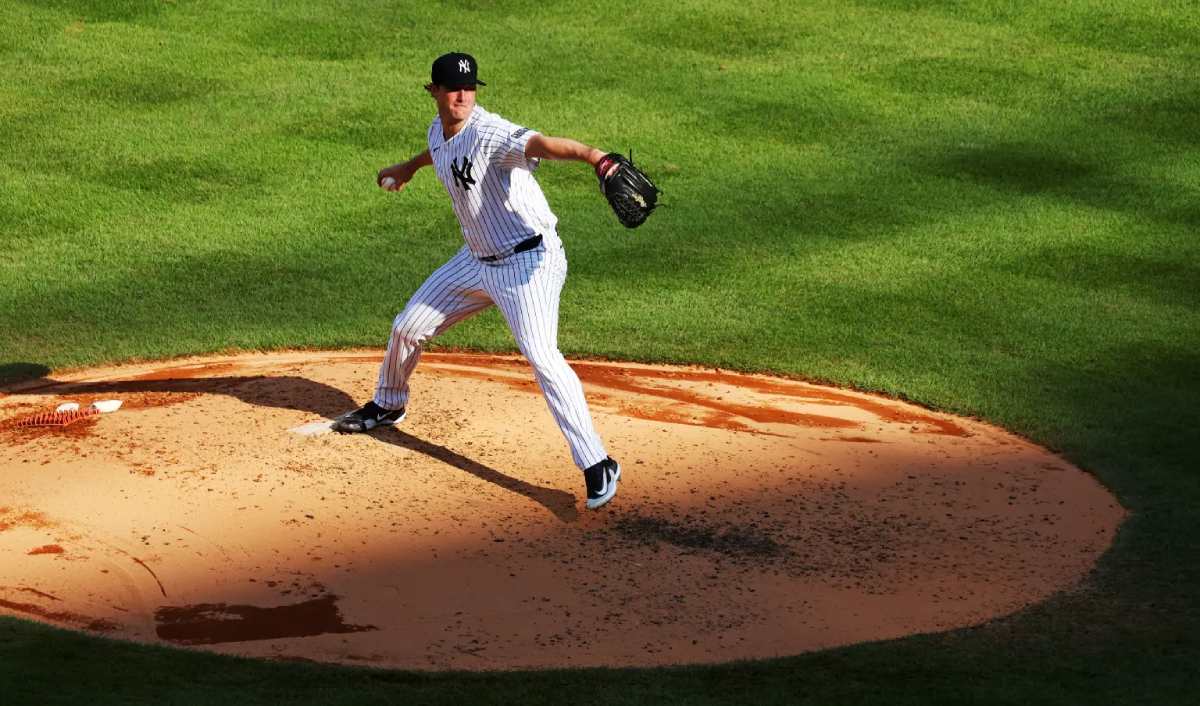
x: 464, y: 66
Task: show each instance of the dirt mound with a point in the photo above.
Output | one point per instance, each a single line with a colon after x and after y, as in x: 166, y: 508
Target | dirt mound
x: 756, y: 516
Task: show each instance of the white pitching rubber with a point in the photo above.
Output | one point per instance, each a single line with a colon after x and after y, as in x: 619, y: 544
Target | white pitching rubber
x: 106, y: 406
x: 313, y: 429
x: 67, y: 407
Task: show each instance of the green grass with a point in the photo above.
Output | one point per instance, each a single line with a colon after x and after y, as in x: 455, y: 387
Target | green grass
x: 989, y: 208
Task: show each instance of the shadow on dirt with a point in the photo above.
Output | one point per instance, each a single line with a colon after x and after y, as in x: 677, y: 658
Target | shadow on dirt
x: 287, y: 392
x: 729, y: 540
x: 558, y: 502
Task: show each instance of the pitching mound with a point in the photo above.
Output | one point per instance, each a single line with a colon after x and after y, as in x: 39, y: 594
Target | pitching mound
x: 756, y: 516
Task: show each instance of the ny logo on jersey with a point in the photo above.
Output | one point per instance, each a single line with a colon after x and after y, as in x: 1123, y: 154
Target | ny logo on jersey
x: 462, y: 174
x: 464, y: 66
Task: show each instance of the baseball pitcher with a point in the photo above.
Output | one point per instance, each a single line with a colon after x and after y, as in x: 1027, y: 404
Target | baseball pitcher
x: 512, y: 257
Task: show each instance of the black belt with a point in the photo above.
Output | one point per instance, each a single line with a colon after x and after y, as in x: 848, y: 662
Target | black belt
x: 527, y: 244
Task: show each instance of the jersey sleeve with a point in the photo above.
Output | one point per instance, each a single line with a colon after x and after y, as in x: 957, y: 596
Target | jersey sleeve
x: 509, y: 140
x: 434, y: 126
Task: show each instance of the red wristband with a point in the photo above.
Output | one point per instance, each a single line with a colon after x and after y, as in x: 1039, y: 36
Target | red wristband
x: 603, y: 165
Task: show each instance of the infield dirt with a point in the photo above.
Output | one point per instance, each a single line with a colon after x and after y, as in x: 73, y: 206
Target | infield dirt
x: 756, y: 516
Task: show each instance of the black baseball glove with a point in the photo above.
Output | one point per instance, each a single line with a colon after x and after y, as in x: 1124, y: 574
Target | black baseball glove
x: 629, y: 191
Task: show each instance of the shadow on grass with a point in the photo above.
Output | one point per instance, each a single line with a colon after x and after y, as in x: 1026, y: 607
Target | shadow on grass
x: 143, y: 88
x: 560, y: 503
x: 1129, y: 410
x: 1170, y: 117
x: 908, y: 193
x: 20, y: 372
x: 1038, y: 169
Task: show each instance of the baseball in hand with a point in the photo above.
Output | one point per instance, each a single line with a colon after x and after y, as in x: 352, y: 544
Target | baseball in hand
x: 388, y: 183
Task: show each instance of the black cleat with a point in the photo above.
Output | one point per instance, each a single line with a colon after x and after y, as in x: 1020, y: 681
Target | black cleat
x: 367, y: 418
x: 601, y: 482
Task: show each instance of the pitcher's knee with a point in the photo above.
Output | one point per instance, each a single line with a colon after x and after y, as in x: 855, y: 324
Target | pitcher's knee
x: 547, y: 363
x: 408, y: 329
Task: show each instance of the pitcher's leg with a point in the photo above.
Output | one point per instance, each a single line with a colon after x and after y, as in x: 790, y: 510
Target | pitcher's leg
x: 526, y: 290
x: 451, y: 294
x: 564, y: 395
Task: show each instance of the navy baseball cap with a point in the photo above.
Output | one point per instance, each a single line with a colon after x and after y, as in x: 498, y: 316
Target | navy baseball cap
x: 455, y: 69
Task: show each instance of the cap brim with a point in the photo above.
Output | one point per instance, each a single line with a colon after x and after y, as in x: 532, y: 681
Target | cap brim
x: 463, y: 83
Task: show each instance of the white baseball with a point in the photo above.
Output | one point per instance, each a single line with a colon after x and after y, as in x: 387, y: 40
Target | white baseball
x: 388, y: 183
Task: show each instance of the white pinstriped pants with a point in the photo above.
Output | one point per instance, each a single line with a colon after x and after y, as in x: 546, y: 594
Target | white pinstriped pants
x: 525, y: 287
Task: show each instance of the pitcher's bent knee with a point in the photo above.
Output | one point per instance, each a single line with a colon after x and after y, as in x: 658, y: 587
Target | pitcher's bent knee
x: 412, y: 328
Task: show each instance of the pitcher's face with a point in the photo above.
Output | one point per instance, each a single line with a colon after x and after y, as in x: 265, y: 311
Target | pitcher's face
x: 456, y: 102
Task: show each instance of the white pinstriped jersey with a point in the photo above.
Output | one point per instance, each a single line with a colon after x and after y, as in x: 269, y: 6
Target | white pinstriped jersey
x: 491, y: 184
